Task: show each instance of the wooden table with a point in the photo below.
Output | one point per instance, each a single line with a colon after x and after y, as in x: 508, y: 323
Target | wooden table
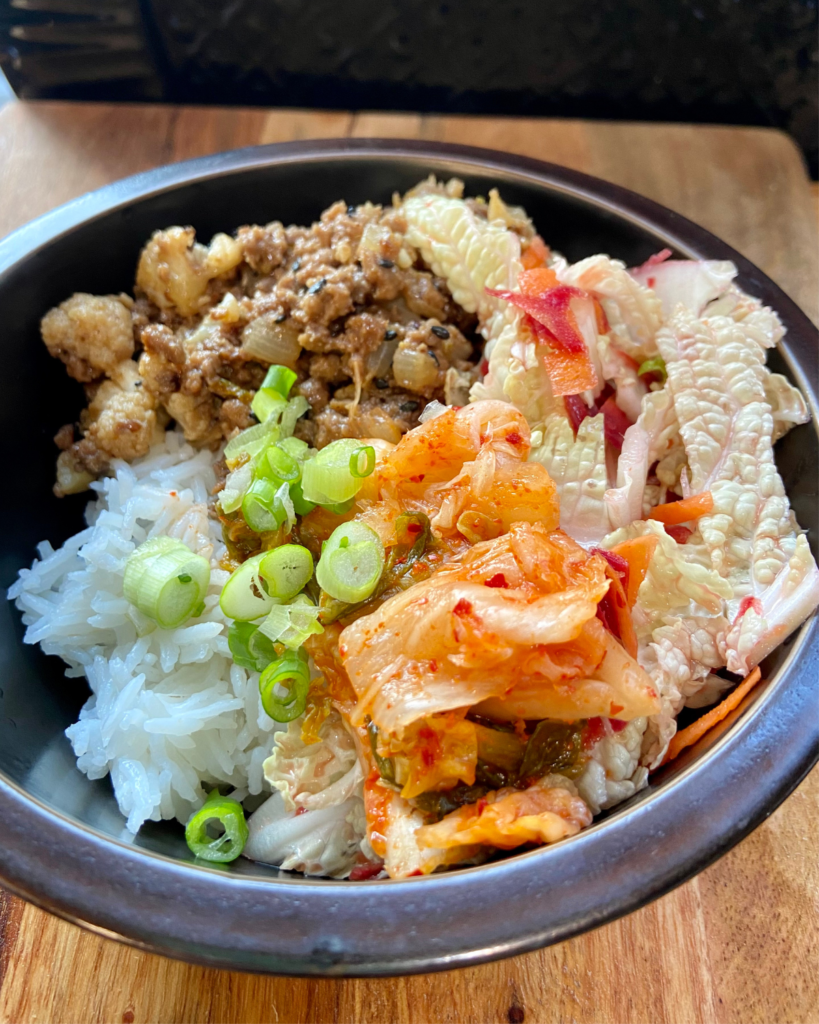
x: 739, y: 943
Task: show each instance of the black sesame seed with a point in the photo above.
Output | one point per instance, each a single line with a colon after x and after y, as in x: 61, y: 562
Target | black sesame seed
x: 381, y: 383
x: 351, y: 210
x: 314, y: 289
x: 280, y: 318
x: 296, y: 265
x: 390, y: 334
x: 440, y: 332
x: 431, y: 353
x: 409, y: 406
x: 386, y: 264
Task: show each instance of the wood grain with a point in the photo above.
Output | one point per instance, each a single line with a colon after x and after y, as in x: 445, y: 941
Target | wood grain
x: 739, y: 944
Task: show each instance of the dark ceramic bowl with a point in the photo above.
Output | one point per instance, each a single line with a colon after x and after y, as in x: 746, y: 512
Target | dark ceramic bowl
x: 63, y: 844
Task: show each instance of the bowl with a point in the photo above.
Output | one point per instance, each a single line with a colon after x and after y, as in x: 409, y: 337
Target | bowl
x: 64, y: 845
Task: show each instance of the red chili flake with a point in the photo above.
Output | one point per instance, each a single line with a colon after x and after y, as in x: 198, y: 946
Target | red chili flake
x: 514, y: 438
x: 364, y: 871
x: 433, y: 666
x: 482, y: 805
x: 617, y: 562
x: 418, y: 479
x: 484, y: 367
x: 498, y: 580
x: 412, y: 874
x: 173, y: 494
x: 617, y: 724
x: 463, y: 607
x: 414, y: 527
x: 615, y: 709
x: 427, y: 757
x: 651, y: 282
x: 679, y: 533
x: 301, y: 810
x: 746, y: 604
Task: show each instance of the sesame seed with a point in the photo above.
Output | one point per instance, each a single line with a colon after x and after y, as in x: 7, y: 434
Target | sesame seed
x: 314, y: 289
x: 386, y: 264
x: 381, y: 383
x: 410, y: 406
x: 440, y: 332
x: 390, y: 335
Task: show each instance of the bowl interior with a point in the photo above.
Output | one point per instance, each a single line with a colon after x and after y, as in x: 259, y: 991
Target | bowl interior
x: 37, y: 702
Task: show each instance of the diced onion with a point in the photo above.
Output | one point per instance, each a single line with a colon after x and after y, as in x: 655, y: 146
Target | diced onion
x: 351, y: 563
x: 166, y: 581
x: 244, y: 597
x: 287, y: 569
x: 414, y: 370
x: 431, y: 410
x: 290, y: 671
x: 272, y: 342
x: 220, y: 849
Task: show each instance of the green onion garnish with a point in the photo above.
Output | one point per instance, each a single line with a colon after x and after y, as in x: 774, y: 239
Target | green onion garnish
x: 290, y: 671
x: 654, y: 365
x: 263, y: 507
x: 291, y: 624
x: 280, y: 464
x: 220, y: 811
x: 245, y: 595
x: 300, y: 504
x: 272, y: 395
x: 351, y: 563
x: 328, y: 479
x: 249, y: 648
x: 166, y: 581
x: 287, y: 569
x: 362, y: 461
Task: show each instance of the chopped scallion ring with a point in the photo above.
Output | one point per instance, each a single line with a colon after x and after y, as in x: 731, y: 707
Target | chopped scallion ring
x: 219, y: 811
x: 654, y: 365
x: 362, y: 461
x: 287, y: 569
x: 166, y: 581
x: 245, y: 595
x: 291, y: 672
x: 280, y: 379
x: 351, y: 563
x: 328, y: 478
x: 282, y: 465
x: 292, y: 623
x: 262, y: 507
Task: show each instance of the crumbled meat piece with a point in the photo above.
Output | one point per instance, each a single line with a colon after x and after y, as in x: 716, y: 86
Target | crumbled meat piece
x: 234, y: 415
x: 64, y: 437
x: 263, y: 248
x: 90, y: 334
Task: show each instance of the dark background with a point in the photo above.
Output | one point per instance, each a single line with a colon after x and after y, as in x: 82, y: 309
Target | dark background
x: 724, y: 61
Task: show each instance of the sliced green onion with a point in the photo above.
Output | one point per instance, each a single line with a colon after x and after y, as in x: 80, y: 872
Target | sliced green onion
x: 249, y: 648
x: 251, y: 441
x: 342, y: 508
x: 300, y: 503
x: 295, y: 447
x: 654, y: 365
x: 222, y: 811
x: 244, y: 597
x: 287, y: 569
x: 166, y: 581
x: 291, y: 624
x: 351, y: 563
x: 280, y: 379
x: 327, y: 478
x: 295, y: 409
x: 281, y: 464
x: 362, y: 461
x: 290, y: 671
x: 262, y: 507
x: 266, y: 403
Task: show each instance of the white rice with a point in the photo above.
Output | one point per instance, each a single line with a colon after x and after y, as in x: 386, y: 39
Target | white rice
x: 169, y: 711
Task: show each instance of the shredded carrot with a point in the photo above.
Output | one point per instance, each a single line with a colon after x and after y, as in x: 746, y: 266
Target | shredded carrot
x: 673, y: 513
x: 638, y: 553
x: 536, y: 254
x: 537, y: 280
x: 570, y: 373
x: 694, y: 732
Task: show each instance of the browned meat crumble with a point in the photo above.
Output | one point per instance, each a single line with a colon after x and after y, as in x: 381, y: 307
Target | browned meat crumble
x: 347, y: 303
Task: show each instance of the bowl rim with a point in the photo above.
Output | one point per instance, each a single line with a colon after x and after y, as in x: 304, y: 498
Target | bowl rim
x: 322, y: 928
